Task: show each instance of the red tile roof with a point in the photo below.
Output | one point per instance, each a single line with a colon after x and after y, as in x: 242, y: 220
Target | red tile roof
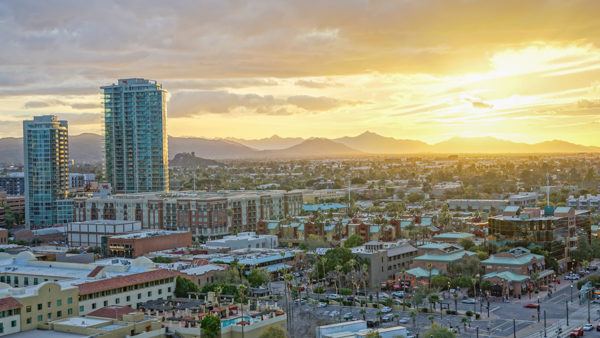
x: 96, y: 271
x: 9, y: 303
x: 123, y: 281
x: 113, y: 312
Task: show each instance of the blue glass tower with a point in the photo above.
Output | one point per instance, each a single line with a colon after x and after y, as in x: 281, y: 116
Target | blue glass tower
x: 46, y: 158
x: 135, y: 138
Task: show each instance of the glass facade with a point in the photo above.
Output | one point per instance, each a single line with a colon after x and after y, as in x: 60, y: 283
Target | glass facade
x: 46, y: 158
x: 135, y: 136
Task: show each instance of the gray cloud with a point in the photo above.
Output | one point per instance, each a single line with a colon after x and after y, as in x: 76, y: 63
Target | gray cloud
x: 54, y: 103
x: 190, y: 103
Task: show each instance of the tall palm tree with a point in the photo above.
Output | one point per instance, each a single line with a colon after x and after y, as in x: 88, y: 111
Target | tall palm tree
x: 288, y: 277
x: 242, y: 294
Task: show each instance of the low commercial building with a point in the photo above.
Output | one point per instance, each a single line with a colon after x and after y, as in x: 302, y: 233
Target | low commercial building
x: 386, y: 259
x: 358, y: 329
x: 439, y: 256
x: 138, y: 244
x: 516, y: 271
x: 452, y: 237
x: 94, y: 233
x: 245, y: 240
x: 47, y: 290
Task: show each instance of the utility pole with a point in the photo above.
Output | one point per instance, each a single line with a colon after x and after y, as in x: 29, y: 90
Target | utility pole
x: 567, y: 308
x: 514, y: 328
x: 488, y: 308
x: 588, y: 301
x: 477, y: 331
x: 545, y: 324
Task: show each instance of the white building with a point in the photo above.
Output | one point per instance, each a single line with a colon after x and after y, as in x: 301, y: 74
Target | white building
x: 90, y: 233
x: 358, y: 329
x: 246, y: 240
x: 584, y: 202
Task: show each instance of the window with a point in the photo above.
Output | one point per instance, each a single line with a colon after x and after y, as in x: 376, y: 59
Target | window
x: 160, y: 291
x: 59, y: 302
x: 149, y: 293
x: 139, y: 296
x: 169, y: 289
x: 39, y: 306
x: 35, y: 281
x: 49, y: 304
x: 49, y: 315
x: 69, y: 311
x: 28, y: 320
x: 81, y: 308
x: 58, y: 314
x: 1, y: 327
x: 28, y: 308
x: 105, y: 303
x: 70, y: 300
x: 117, y: 301
x: 128, y: 298
x: 93, y: 306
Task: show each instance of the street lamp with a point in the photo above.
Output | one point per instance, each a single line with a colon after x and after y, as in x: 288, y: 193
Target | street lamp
x: 571, y: 291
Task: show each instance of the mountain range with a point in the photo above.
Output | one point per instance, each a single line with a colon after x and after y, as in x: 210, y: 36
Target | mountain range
x: 87, y: 148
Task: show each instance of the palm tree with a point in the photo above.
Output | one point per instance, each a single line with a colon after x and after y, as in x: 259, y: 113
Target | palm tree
x: 397, y: 317
x: 218, y: 291
x: 287, y: 279
x: 242, y: 294
x: 431, y: 318
x: 464, y: 320
x: 363, y: 312
x: 413, y: 317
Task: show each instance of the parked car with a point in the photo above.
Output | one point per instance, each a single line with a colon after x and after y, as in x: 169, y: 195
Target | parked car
x: 598, y: 327
x: 468, y: 301
x: 532, y: 305
x: 347, y: 316
x: 333, y: 296
x: 588, y: 327
x: 387, y: 318
x: 321, y: 304
x: 398, y: 294
x: 572, y: 276
x: 576, y: 332
x: 334, y: 313
x: 386, y: 309
x: 404, y: 320
x: 383, y: 295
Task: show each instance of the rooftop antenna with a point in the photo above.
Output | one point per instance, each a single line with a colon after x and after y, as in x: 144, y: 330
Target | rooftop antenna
x: 349, y: 212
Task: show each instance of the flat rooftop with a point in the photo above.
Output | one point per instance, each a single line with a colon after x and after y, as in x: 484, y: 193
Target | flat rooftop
x: 83, y: 321
x: 149, y: 234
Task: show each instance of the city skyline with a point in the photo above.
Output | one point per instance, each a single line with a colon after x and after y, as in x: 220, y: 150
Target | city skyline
x: 411, y: 70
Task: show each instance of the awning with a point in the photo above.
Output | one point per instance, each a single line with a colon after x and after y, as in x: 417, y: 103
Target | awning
x: 546, y: 273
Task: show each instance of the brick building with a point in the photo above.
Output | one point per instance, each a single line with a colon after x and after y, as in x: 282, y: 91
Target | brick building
x: 140, y: 243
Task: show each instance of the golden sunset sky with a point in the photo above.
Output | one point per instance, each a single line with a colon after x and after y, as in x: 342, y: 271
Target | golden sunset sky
x: 521, y: 70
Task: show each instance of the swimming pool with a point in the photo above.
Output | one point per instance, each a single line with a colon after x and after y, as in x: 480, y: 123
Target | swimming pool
x: 234, y: 321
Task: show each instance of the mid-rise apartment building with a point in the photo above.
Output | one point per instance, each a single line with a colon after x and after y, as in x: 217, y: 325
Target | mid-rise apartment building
x: 206, y: 215
x: 386, y: 259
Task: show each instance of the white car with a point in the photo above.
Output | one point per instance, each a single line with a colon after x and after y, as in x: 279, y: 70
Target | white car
x: 404, y: 320
x: 333, y: 296
x: 386, y: 309
x: 334, y: 313
x: 321, y: 304
x: 588, y: 327
x: 387, y: 318
x: 468, y: 301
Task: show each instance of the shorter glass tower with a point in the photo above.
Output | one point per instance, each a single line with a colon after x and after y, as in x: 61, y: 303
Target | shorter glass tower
x: 46, y: 159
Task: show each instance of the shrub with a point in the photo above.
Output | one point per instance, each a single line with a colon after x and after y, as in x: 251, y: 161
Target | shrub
x: 477, y: 316
x: 319, y: 289
x: 451, y: 312
x: 469, y: 313
x: 424, y: 309
x: 345, y: 292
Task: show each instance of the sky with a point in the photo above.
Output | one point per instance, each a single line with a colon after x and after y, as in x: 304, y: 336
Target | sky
x: 527, y: 71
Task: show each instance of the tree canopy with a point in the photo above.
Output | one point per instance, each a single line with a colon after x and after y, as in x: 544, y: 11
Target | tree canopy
x: 273, y: 332
x: 210, y: 327
x: 183, y: 286
x: 353, y: 241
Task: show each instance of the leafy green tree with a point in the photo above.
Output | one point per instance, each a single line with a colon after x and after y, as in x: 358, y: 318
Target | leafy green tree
x: 258, y: 277
x: 274, y: 332
x: 440, y: 282
x: 183, y: 286
x: 160, y: 259
x: 210, y: 327
x: 353, y: 241
x: 467, y: 244
x: 437, y: 331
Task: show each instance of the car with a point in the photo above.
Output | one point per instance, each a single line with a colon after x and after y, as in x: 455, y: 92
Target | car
x: 576, y: 332
x: 350, y: 298
x: 532, y: 305
x: 334, y: 313
x: 321, y: 304
x: 386, y: 309
x: 468, y: 301
x: 347, y: 316
x: 598, y: 327
x: 588, y: 327
x: 594, y: 267
x: 384, y: 295
x: 596, y: 301
x: 300, y: 301
x: 387, y: 318
x: 572, y: 276
x: 398, y: 294
x: 404, y: 320
x: 333, y: 296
